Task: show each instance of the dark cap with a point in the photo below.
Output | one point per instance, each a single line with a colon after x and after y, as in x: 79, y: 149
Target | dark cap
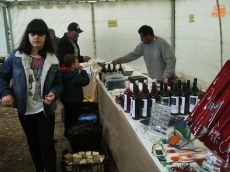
x: 75, y: 28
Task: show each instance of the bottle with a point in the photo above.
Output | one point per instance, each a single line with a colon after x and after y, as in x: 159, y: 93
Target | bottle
x: 188, y: 89
x: 174, y: 101
x: 161, y: 89
x: 195, y: 80
x: 145, y: 107
x: 114, y: 70
x: 137, y: 83
x: 193, y: 98
x: 135, y: 104
x: 103, y: 73
x: 179, y: 86
x: 154, y: 96
x: 165, y: 98
x: 120, y: 70
x: 109, y: 69
x: 184, y: 101
x: 127, y: 97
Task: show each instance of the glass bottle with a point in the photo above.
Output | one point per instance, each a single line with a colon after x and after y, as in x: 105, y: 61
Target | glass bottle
x: 135, y: 104
x: 127, y: 97
x: 174, y: 101
x: 193, y: 98
x: 109, y: 69
x: 145, y: 107
x: 165, y: 99
x: 184, y: 101
x: 120, y: 69
x: 114, y: 70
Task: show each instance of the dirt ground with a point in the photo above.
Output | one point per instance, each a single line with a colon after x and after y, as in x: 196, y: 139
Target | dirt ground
x: 15, y: 156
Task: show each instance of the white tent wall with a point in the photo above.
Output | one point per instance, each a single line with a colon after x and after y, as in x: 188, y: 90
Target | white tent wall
x: 198, y: 47
x: 114, y: 42
x: 58, y: 17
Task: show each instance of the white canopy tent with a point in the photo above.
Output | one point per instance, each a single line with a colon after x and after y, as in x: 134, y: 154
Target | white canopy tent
x: 197, y: 31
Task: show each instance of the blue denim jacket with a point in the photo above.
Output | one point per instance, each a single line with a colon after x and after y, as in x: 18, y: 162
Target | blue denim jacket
x: 16, y: 68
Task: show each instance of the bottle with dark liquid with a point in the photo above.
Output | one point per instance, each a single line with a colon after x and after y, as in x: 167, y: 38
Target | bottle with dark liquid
x: 120, y: 69
x: 179, y: 86
x: 154, y: 96
x: 193, y: 97
x: 184, y: 101
x: 161, y: 89
x: 114, y: 70
x: 145, y: 107
x: 127, y: 97
x: 165, y: 98
x: 135, y: 104
x: 188, y: 89
x: 109, y: 69
x: 103, y: 73
x: 174, y: 101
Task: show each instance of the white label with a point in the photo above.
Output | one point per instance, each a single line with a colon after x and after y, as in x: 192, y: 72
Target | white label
x: 193, y: 100
x: 182, y: 105
x: 125, y: 102
x: 144, y: 108
x: 174, y: 104
x: 133, y: 108
x: 166, y: 101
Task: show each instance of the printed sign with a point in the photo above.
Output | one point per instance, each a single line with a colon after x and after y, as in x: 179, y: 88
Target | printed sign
x: 219, y: 13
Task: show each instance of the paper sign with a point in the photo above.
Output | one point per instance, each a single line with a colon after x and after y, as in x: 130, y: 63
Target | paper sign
x: 220, y: 13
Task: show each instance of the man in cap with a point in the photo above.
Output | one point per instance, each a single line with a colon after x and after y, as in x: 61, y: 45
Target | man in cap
x: 68, y: 44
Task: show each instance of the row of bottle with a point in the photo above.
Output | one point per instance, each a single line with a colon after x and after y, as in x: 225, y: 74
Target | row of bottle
x: 180, y: 97
x: 113, y: 70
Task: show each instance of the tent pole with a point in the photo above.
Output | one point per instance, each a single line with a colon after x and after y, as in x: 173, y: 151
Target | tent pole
x: 221, y: 35
x: 94, y: 32
x: 173, y: 25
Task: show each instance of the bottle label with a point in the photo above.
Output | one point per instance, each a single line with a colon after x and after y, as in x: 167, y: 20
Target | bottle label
x: 144, y: 107
x: 125, y: 102
x: 153, y: 102
x: 193, y: 100
x: 174, y: 104
x: 182, y: 105
x: 133, y: 108
x: 166, y: 101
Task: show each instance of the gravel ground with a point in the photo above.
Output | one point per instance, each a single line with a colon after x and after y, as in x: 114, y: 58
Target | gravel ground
x: 15, y: 156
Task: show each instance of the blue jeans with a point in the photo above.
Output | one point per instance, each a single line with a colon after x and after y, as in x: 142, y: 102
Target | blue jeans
x: 39, y: 132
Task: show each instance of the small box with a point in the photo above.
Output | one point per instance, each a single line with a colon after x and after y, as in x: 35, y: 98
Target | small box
x: 90, y: 165
x: 115, y: 81
x: 140, y: 78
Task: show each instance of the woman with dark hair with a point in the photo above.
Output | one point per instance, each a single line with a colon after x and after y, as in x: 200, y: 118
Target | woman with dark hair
x: 35, y: 72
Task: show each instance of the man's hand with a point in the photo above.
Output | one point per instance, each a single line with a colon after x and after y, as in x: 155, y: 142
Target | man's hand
x: 49, y: 98
x: 114, y: 62
x: 8, y: 101
x: 86, y: 58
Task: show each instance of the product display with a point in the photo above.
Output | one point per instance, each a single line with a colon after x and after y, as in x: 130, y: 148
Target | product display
x: 210, y: 121
x: 160, y: 117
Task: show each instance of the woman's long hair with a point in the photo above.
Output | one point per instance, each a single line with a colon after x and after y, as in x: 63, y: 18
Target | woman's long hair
x: 36, y: 26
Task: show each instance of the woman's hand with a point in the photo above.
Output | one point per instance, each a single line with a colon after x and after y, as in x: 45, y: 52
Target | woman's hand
x: 49, y: 98
x: 8, y: 101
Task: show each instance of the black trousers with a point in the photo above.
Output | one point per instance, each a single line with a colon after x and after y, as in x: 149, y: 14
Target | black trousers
x: 39, y: 132
x: 71, y: 115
